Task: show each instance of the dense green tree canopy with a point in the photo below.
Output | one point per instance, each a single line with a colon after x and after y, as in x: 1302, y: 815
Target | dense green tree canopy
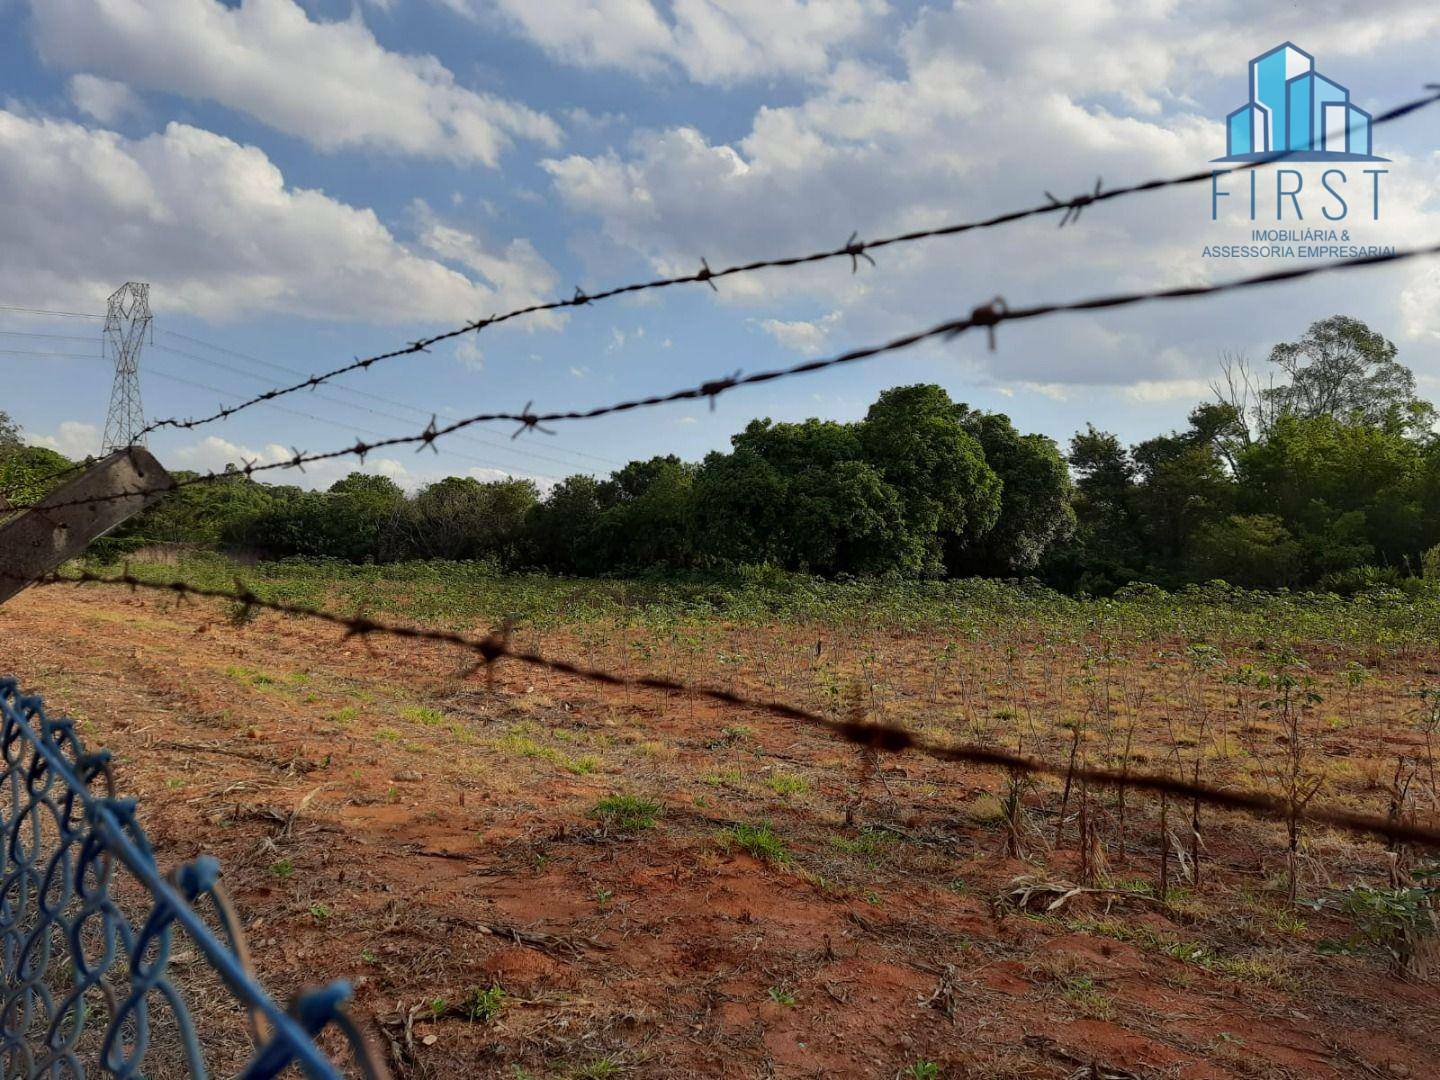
x: 914, y: 436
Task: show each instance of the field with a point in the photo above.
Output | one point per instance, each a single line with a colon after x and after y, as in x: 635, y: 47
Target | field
x: 533, y: 876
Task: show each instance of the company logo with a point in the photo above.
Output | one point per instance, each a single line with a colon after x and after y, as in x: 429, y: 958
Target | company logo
x: 1295, y: 111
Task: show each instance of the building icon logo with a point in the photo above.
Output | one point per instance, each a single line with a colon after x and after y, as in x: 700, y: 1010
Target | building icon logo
x: 1296, y: 112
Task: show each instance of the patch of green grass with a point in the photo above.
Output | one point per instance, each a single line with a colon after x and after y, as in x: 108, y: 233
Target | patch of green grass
x: 252, y: 676
x: 517, y: 742
x: 319, y: 912
x: 389, y: 734
x: 787, y: 784
x: 1081, y: 992
x: 725, y: 777
x: 602, y: 1068
x: 282, y: 868
x: 626, y: 813
x: 422, y: 714
x: 921, y: 1070
x: 1250, y: 969
x: 758, y: 841
x: 871, y: 845
x: 346, y: 716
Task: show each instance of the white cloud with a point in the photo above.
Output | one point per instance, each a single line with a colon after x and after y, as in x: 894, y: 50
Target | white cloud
x: 1102, y: 90
x: 72, y: 438
x: 711, y: 41
x: 1420, y: 305
x: 807, y: 338
x: 219, y: 234
x: 517, y: 276
x: 1147, y: 391
x: 330, y: 83
x: 468, y: 352
x: 104, y: 99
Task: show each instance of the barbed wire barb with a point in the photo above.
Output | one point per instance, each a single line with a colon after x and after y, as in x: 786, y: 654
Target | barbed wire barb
x: 1074, y: 206
x: 707, y: 275
x: 989, y: 315
x: 713, y: 389
x: 855, y: 248
x: 528, y: 422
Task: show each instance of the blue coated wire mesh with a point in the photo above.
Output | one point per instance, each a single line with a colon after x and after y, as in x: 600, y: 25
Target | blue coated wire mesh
x: 106, y: 960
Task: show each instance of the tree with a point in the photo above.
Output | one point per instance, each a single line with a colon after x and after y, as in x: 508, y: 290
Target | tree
x: 1256, y: 551
x: 26, y: 472
x: 357, y: 513
x: 802, y: 497
x: 1339, y: 368
x: 9, y: 433
x: 1182, y: 482
x: 1314, y: 473
x: 1108, y: 549
x: 1035, y: 510
x: 915, y: 439
x: 742, y: 504
x: 847, y: 519
x: 562, y: 533
x: 648, y: 516
x: 461, y: 518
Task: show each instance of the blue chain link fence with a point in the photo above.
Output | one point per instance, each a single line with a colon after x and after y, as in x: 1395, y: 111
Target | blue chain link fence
x: 111, y: 968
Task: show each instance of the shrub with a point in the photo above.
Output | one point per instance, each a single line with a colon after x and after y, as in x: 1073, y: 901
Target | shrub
x: 1395, y: 921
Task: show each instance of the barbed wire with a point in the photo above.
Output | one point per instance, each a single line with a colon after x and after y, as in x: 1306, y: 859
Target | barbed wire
x: 853, y: 249
x: 888, y: 738
x: 988, y: 316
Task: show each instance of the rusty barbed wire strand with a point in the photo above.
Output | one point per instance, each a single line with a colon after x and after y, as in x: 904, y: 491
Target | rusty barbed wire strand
x: 853, y: 249
x: 988, y: 316
x: 876, y: 736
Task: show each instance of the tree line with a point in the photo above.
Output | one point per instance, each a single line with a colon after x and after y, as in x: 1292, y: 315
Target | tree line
x: 1323, y: 469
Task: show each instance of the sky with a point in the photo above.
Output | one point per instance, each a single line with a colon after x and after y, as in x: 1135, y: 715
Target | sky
x: 305, y: 181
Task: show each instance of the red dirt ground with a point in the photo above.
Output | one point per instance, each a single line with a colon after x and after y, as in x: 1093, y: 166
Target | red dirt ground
x: 382, y: 820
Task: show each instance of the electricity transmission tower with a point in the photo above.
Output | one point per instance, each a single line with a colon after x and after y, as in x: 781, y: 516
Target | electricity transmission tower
x: 126, y: 321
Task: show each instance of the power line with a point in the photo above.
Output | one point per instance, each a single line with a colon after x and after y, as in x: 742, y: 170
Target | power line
x: 56, y: 355
x: 52, y: 337
x: 854, y: 249
x: 988, y: 316
x: 383, y: 399
x: 43, y: 311
x: 476, y: 440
